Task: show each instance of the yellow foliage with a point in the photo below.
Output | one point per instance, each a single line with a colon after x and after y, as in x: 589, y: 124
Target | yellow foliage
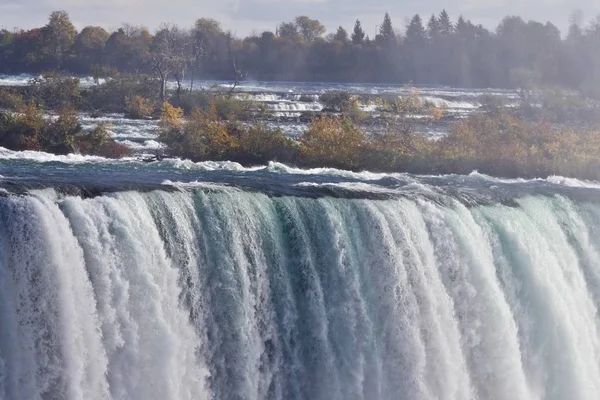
x: 334, y: 142
x: 171, y: 117
x: 497, y: 144
x: 437, y: 113
x: 138, y: 107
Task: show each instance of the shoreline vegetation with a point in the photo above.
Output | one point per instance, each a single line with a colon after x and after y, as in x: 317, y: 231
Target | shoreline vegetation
x: 424, y: 50
x: 553, y: 130
x: 547, y: 133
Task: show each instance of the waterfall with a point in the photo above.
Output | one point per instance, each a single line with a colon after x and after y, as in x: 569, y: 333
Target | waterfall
x: 220, y: 293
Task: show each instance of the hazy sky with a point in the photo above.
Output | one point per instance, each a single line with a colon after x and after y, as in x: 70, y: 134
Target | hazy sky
x: 245, y: 16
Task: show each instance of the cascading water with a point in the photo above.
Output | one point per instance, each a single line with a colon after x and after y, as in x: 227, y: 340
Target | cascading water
x: 221, y: 293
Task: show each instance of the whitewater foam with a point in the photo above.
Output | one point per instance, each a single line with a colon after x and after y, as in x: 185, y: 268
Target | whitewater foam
x: 223, y: 293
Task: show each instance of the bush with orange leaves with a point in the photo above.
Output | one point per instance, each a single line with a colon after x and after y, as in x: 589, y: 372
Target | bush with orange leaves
x: 31, y: 130
x: 205, y: 136
x: 497, y: 144
x: 505, y: 145
x: 333, y: 142
x: 138, y: 107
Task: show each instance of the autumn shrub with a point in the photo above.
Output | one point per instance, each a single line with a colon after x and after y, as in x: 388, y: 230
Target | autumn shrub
x: 190, y: 101
x: 259, y: 144
x: 111, y: 149
x: 99, y: 142
x: 10, y: 99
x: 499, y: 144
x: 111, y: 96
x: 30, y: 130
x: 55, y: 92
x: 226, y: 107
x: 410, y: 103
x: 557, y: 105
x: 22, y: 131
x: 138, y: 107
x: 92, y: 141
x: 400, y: 149
x: 334, y: 142
x: 492, y: 103
x: 436, y: 113
x: 60, y: 134
x: 203, y: 136
x: 505, y: 145
x: 339, y: 101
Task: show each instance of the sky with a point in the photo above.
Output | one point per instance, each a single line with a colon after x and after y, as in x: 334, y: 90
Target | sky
x: 246, y: 16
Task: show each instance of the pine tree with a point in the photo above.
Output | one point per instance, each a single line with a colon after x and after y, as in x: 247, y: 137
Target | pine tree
x: 386, y: 30
x: 416, y: 33
x: 461, y: 26
x: 341, y: 35
x: 415, y: 43
x: 358, y: 36
x: 445, y: 25
x: 433, y: 28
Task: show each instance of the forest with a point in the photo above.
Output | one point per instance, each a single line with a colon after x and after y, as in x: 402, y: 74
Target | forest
x: 435, y: 50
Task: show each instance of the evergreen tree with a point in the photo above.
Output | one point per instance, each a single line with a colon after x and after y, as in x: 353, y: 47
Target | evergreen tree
x: 575, y: 31
x: 414, y: 44
x: 445, y: 25
x: 416, y: 33
x: 358, y: 36
x: 462, y: 27
x: 341, y: 35
x: 433, y: 28
x: 386, y: 31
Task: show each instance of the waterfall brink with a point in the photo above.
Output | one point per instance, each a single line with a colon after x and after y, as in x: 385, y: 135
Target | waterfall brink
x: 225, y: 294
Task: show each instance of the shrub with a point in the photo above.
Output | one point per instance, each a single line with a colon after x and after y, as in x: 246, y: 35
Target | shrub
x: 112, y: 149
x: 99, y: 142
x: 204, y: 136
x: 436, y: 113
x: 260, y: 144
x: 138, y: 107
x: 339, y: 101
x: 332, y: 141
x: 230, y: 108
x: 508, y: 146
x: 60, y: 134
x: 88, y: 142
x: 408, y: 104
x: 491, y: 103
x: 190, y: 101
x: 111, y: 96
x: 558, y: 105
x: 31, y: 131
x: 227, y: 108
x: 10, y: 99
x: 55, y: 92
x: 22, y: 131
x: 171, y: 117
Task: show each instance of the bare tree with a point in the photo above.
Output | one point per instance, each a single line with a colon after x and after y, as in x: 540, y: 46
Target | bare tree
x: 170, y: 56
x: 183, y: 57
x: 237, y: 72
x: 198, y: 51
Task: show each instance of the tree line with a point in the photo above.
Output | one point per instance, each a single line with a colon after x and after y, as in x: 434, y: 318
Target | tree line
x: 434, y: 51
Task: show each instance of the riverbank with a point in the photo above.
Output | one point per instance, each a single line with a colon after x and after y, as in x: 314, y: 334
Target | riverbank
x: 556, y: 133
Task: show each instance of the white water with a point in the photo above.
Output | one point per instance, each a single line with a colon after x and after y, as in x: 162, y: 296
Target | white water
x: 23, y: 80
x: 225, y: 294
